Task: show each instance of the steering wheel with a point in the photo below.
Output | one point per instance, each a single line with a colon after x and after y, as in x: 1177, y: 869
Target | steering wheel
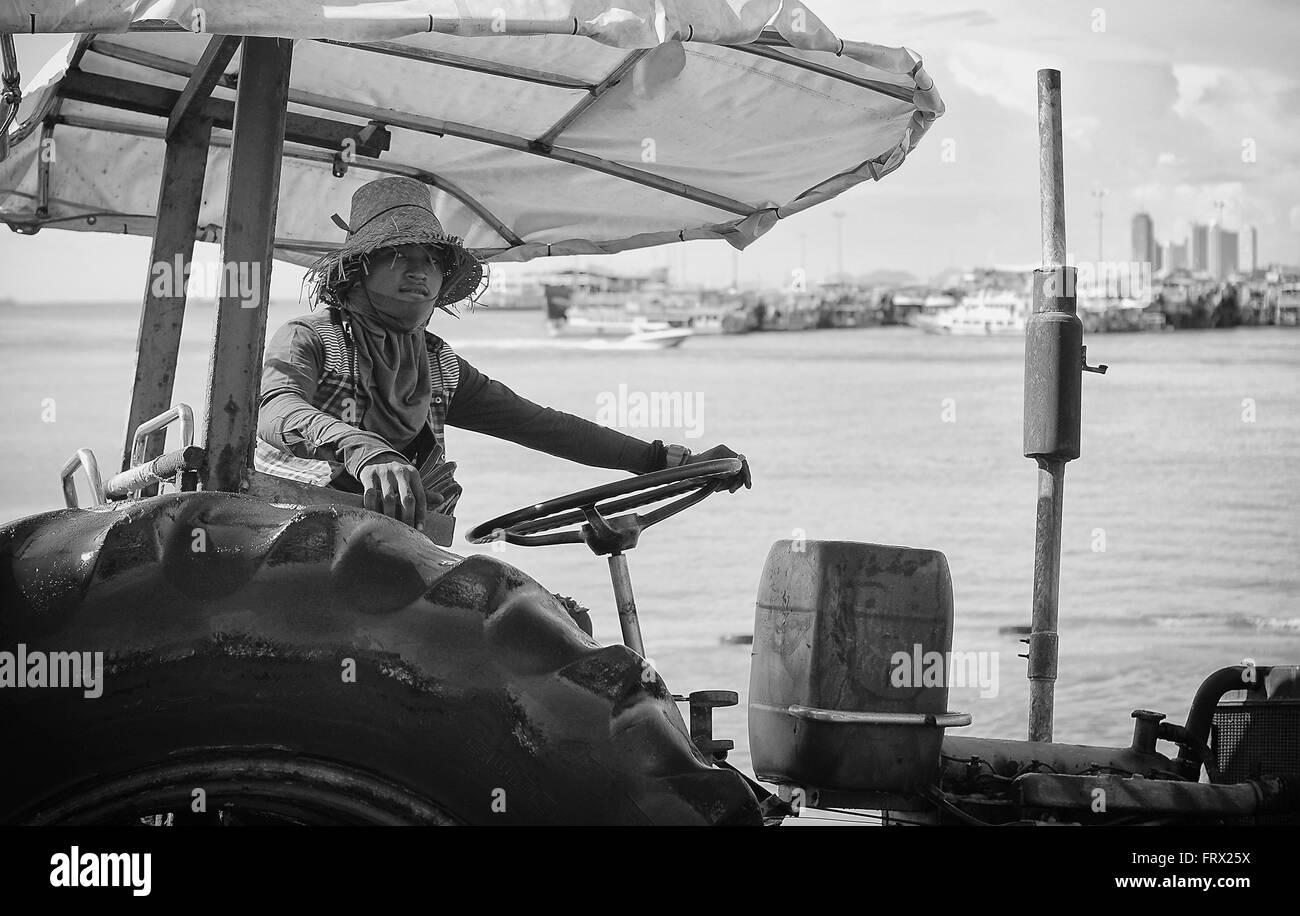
x: 606, y: 536
x: 592, y: 509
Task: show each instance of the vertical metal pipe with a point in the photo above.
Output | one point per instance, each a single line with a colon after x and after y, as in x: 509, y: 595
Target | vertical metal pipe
x: 158, y: 340
x: 1051, y: 167
x: 1044, y: 639
x: 252, y: 192
x: 1053, y: 365
x: 44, y: 158
x: 627, y: 619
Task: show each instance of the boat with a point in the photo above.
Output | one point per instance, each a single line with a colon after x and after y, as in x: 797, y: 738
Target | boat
x: 703, y: 312
x: 1154, y: 321
x: 790, y: 311
x: 849, y: 310
x: 655, y: 339
x: 603, y: 322
x: 638, y: 306
x: 985, y: 314
x: 1287, y: 309
x: 934, y: 306
x: 706, y: 320
x: 615, y: 325
x: 789, y: 319
x: 1118, y: 315
x: 904, y: 306
x: 306, y: 660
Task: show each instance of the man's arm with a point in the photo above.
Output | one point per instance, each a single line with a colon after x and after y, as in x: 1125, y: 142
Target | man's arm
x: 286, y: 418
x: 487, y: 406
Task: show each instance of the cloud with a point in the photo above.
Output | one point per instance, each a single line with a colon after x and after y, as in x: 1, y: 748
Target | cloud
x: 1242, y: 104
x: 972, y: 18
x: 1005, y: 75
x: 1080, y: 129
x: 1194, y: 80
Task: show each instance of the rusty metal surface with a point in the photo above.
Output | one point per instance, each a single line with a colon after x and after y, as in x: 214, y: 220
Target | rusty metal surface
x: 1053, y: 373
x: 239, y: 328
x: 830, y: 617
x: 1144, y: 796
x: 158, y: 338
x: 1051, y: 167
x: 469, y: 676
x: 1008, y: 758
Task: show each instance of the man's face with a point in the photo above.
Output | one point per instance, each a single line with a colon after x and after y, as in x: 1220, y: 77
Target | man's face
x: 408, y: 273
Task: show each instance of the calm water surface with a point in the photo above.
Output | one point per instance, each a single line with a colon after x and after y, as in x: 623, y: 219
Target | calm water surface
x: 1181, y: 531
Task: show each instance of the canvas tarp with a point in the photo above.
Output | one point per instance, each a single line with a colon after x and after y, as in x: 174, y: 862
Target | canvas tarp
x: 546, y: 127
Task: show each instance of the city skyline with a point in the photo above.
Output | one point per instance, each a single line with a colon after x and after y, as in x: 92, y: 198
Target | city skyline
x: 1160, y: 112
x: 1216, y: 250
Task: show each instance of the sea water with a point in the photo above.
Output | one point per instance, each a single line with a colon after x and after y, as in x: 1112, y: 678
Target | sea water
x: 1181, y: 532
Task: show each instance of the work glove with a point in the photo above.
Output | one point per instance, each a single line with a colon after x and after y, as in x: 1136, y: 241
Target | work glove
x: 742, y: 477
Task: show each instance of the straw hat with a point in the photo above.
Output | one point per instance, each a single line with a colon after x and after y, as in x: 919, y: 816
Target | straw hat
x: 386, y: 213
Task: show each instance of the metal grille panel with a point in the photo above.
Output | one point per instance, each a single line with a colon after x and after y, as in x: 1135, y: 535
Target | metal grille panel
x: 1256, y: 738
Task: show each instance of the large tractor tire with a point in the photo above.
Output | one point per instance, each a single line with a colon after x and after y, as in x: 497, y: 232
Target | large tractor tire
x: 266, y: 664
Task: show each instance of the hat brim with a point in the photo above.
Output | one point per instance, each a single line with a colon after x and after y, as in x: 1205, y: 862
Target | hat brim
x: 463, y: 271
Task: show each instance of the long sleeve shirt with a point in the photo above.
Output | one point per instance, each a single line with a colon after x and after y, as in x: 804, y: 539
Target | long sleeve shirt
x: 290, y: 420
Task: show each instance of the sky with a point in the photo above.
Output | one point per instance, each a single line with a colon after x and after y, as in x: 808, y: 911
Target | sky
x: 1170, y: 106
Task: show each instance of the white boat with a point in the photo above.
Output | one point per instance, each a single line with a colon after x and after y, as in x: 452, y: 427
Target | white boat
x: 608, y: 319
x: 988, y: 313
x: 1288, y: 306
x: 664, y: 339
x: 603, y: 322
x: 934, y: 307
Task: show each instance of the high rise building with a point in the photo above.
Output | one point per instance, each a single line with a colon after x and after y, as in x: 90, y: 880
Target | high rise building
x: 1175, y: 257
x: 1249, y: 249
x: 1222, y: 252
x: 1228, y: 247
x: 1199, y: 244
x: 1144, y: 239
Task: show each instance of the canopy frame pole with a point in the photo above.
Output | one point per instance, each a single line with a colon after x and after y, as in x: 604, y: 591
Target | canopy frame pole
x: 180, y: 196
x: 1053, y: 383
x: 162, y: 314
x: 207, y: 73
x: 594, y: 94
x: 239, y: 333
x: 84, y: 91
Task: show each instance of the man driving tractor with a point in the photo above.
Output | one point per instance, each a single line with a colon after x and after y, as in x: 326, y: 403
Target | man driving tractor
x: 356, y: 397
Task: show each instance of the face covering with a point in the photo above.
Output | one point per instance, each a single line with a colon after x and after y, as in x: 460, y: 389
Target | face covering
x: 392, y: 363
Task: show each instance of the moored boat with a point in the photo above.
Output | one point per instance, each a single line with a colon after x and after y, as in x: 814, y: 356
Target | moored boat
x: 1287, y: 309
x: 986, y: 314
x: 612, y: 324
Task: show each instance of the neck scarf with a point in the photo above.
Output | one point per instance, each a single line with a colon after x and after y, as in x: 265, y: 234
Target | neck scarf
x: 392, y: 364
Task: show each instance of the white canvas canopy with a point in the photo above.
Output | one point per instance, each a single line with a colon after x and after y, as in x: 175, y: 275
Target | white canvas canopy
x: 546, y: 127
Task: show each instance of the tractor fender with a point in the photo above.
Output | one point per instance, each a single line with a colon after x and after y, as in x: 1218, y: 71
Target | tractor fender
x: 273, y: 652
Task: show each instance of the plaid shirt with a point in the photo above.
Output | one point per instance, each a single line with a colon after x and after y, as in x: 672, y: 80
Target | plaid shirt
x: 340, y: 394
